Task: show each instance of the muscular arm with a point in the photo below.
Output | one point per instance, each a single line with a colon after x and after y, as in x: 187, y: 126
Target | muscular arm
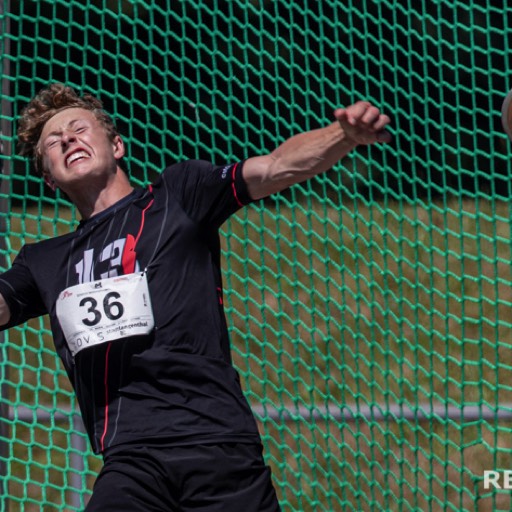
x: 310, y: 153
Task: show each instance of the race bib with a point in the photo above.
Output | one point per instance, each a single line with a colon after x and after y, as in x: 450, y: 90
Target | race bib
x: 105, y: 310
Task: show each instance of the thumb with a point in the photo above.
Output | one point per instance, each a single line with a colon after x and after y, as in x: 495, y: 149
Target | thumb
x: 384, y: 136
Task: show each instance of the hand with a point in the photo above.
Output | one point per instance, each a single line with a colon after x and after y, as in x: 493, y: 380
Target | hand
x: 363, y: 123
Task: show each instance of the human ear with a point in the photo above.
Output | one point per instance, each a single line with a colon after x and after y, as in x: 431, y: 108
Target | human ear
x: 48, y: 179
x: 119, y: 149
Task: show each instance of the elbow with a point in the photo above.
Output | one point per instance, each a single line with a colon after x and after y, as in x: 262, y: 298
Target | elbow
x: 269, y: 175
x: 270, y: 183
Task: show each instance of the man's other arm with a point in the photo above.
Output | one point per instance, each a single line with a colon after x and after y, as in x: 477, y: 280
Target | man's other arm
x: 5, y: 312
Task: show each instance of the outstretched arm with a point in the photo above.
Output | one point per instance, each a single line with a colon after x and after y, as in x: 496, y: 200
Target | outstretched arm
x: 310, y: 153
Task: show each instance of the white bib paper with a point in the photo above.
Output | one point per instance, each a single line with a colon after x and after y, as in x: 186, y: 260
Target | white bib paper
x: 105, y: 310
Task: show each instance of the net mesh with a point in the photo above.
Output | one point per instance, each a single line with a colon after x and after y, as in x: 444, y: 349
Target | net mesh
x: 370, y: 307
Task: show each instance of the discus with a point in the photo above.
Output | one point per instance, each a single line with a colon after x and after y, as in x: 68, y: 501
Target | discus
x: 506, y: 114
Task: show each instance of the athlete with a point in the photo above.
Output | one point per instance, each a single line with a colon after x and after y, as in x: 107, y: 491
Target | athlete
x: 134, y: 297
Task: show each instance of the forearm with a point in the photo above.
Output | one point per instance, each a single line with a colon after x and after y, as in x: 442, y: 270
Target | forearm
x: 299, y: 158
x: 305, y: 155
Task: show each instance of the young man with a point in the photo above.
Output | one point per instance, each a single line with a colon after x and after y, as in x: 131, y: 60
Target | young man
x: 135, y: 302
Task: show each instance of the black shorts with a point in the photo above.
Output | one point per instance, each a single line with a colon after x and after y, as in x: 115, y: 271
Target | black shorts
x: 229, y: 477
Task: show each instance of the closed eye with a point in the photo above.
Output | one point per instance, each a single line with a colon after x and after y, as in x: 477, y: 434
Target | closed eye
x: 51, y: 143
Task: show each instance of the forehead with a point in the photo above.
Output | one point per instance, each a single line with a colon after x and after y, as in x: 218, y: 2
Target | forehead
x: 65, y: 118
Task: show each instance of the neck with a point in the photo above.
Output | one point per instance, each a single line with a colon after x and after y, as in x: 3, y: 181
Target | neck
x: 98, y: 196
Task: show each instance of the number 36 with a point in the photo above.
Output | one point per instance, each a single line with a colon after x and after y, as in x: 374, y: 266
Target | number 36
x: 112, y: 308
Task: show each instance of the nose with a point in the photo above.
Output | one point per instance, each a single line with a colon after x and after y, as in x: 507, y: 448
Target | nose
x: 67, y: 138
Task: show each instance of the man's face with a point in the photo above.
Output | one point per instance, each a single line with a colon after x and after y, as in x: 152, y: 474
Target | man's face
x: 75, y: 147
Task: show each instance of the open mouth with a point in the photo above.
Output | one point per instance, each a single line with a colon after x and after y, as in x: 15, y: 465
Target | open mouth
x: 76, y: 156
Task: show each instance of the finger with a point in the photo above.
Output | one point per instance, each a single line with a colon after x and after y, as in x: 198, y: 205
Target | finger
x: 340, y: 114
x: 357, y: 111
x: 382, y: 121
x: 370, y: 116
x: 351, y: 114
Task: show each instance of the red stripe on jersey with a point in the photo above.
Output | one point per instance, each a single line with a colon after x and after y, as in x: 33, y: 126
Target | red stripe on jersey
x: 128, y: 263
x: 233, y: 175
x: 150, y: 204
x: 102, y: 441
x: 129, y: 256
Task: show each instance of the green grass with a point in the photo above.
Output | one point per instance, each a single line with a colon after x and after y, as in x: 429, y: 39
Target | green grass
x: 376, y: 304
x: 353, y: 304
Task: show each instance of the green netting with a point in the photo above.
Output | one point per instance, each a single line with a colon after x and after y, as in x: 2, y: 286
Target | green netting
x: 369, y: 308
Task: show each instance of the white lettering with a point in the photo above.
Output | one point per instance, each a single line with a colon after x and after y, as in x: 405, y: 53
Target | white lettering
x: 84, y: 267
x: 491, y: 477
x: 114, y: 253
x: 111, y: 258
x: 507, y: 479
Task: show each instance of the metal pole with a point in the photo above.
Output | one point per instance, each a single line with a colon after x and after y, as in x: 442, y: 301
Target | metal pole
x: 5, y: 170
